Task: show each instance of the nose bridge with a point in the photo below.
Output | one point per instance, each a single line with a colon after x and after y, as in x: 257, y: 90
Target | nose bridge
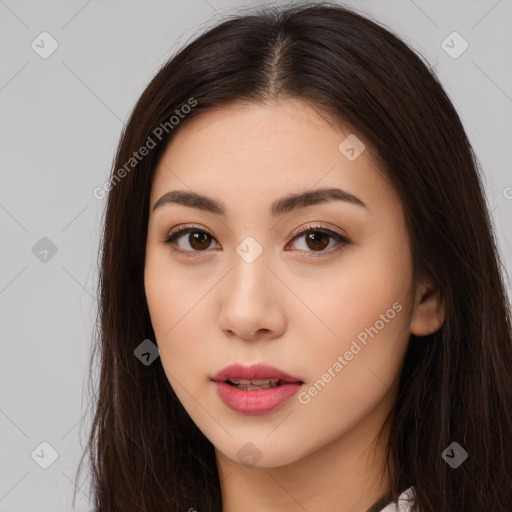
x: 249, y: 299
x: 250, y: 275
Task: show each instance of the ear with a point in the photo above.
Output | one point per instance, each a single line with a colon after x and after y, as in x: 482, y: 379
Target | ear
x: 429, y: 308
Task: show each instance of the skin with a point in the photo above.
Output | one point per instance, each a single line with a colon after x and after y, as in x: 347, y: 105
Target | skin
x: 295, y: 312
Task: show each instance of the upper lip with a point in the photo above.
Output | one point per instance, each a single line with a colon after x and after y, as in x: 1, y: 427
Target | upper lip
x: 255, y: 371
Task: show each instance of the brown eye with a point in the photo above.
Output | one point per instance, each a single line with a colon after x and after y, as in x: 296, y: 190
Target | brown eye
x: 317, y: 240
x: 199, y: 240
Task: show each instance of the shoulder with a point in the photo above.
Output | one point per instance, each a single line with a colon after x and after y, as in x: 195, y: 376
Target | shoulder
x: 404, y: 502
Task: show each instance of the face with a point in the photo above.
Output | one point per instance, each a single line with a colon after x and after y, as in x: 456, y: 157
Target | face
x: 319, y: 288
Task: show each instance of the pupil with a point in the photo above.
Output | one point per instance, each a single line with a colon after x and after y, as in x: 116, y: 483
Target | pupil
x: 318, y: 238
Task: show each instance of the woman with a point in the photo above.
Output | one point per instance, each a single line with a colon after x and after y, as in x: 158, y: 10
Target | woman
x: 296, y: 220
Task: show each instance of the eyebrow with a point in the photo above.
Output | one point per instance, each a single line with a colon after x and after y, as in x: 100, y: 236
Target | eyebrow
x: 278, y: 207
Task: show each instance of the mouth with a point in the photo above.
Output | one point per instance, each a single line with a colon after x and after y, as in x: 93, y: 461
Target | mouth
x: 257, y: 389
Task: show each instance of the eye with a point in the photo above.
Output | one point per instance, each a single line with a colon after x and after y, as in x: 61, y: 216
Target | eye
x: 317, y: 238
x: 198, y: 239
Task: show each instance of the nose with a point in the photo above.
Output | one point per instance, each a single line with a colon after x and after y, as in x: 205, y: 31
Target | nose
x: 252, y: 302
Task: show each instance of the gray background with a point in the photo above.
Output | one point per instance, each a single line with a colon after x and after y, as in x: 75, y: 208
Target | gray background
x: 61, y: 118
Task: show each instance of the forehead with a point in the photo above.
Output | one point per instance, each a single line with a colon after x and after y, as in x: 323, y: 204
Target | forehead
x: 247, y: 149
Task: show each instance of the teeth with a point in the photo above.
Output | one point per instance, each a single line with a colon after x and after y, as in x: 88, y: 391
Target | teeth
x: 256, y: 382
x: 249, y: 385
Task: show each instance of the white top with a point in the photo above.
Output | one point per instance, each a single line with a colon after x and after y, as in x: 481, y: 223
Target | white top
x: 404, y: 502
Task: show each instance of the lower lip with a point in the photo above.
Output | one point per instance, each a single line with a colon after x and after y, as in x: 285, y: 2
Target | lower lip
x: 256, y: 401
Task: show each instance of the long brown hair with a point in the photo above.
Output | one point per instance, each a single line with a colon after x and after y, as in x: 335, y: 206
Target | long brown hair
x: 147, y: 455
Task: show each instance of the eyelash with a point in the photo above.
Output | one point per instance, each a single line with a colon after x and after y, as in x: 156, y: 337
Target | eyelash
x: 188, y: 228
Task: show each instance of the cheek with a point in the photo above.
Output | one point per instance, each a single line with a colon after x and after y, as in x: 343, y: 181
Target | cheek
x: 160, y: 300
x: 176, y: 338
x: 179, y: 322
x: 363, y: 288
x: 168, y: 295
x: 366, y: 312
x: 350, y: 374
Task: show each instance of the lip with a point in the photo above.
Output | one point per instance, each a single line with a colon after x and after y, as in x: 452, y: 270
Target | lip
x: 255, y: 402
